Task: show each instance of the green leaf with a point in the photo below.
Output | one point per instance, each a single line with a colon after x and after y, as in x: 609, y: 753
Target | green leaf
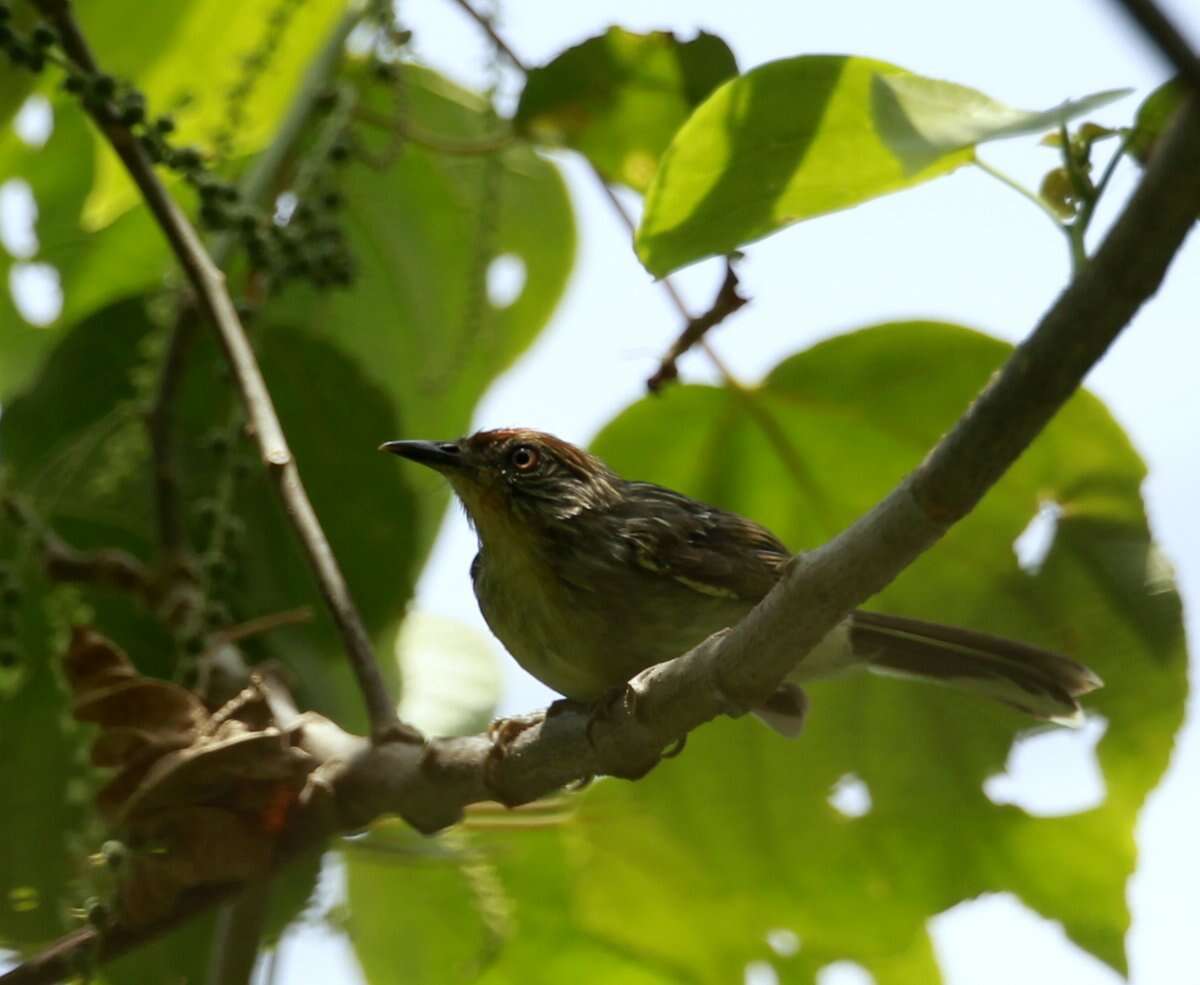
x: 1153, y: 116
x: 489, y: 907
x: 93, y: 269
x: 45, y: 801
x: 739, y: 825
x: 178, y: 73
x: 424, y: 230
x: 619, y: 98
x: 76, y: 443
x: 805, y: 136
x: 451, y: 673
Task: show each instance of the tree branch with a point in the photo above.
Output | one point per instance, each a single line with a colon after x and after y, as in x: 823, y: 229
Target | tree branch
x: 236, y: 936
x: 430, y: 785
x: 724, y: 304
x: 213, y: 298
x: 1166, y: 37
x: 490, y: 30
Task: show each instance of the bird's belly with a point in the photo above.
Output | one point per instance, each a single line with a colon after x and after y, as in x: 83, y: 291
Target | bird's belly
x: 583, y: 641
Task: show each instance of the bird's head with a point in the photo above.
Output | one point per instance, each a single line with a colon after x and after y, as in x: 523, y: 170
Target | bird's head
x: 516, y: 476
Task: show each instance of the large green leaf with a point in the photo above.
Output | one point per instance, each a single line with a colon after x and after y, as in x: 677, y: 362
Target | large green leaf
x: 489, y: 907
x: 47, y: 788
x: 424, y: 231
x: 83, y: 461
x: 741, y: 820
x: 451, y: 673
x: 619, y: 98
x: 804, y: 136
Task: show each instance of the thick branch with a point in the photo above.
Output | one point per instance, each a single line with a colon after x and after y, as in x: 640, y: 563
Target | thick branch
x: 208, y: 282
x: 1166, y: 37
x: 430, y: 785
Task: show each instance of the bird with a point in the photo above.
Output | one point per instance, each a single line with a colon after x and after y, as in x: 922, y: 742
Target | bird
x: 588, y: 578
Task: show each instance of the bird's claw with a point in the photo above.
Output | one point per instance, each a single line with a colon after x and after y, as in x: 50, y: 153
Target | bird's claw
x: 622, y: 696
x: 502, y: 733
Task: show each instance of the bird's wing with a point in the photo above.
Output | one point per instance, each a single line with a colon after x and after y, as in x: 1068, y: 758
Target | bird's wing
x: 709, y: 550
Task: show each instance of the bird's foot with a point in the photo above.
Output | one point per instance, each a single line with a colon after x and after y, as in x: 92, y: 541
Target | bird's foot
x: 624, y: 748
x: 623, y: 697
x: 503, y: 733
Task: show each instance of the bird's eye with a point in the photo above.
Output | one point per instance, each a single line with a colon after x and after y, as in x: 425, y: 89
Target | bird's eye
x: 524, y: 458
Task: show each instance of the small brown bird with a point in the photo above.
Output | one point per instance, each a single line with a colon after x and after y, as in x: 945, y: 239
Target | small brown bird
x: 588, y: 578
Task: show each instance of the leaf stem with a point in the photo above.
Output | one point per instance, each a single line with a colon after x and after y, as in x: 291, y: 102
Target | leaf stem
x: 1006, y: 179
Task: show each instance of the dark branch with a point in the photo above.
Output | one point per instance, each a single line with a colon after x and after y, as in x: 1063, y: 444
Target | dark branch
x: 724, y: 304
x: 208, y: 283
x: 1166, y: 37
x: 490, y: 30
x: 728, y: 300
x: 109, y: 567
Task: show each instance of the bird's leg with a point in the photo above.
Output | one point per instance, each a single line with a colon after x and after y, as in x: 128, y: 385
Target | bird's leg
x: 562, y: 706
x: 502, y: 733
x: 621, y: 702
x: 623, y: 696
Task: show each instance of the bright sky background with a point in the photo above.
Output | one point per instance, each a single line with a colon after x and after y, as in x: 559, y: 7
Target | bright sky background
x: 962, y: 249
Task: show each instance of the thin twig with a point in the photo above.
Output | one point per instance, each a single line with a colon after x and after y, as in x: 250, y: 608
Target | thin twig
x: 490, y: 30
x: 454, y: 146
x: 213, y: 298
x: 1166, y: 37
x: 262, y: 624
x: 724, y: 304
x: 109, y: 567
x: 1032, y: 196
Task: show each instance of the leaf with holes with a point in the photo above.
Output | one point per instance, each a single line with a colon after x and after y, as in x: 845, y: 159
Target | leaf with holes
x: 740, y: 825
x: 91, y: 269
x: 489, y: 907
x: 804, y: 136
x: 619, y: 98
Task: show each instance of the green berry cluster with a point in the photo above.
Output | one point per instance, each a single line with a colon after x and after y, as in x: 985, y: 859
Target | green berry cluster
x: 307, y: 245
x: 221, y: 532
x: 30, y: 51
x: 253, y: 64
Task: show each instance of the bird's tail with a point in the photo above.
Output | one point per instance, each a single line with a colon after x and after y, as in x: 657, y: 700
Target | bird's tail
x: 1038, y: 682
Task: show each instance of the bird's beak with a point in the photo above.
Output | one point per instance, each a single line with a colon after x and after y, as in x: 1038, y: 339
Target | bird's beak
x: 436, y: 454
